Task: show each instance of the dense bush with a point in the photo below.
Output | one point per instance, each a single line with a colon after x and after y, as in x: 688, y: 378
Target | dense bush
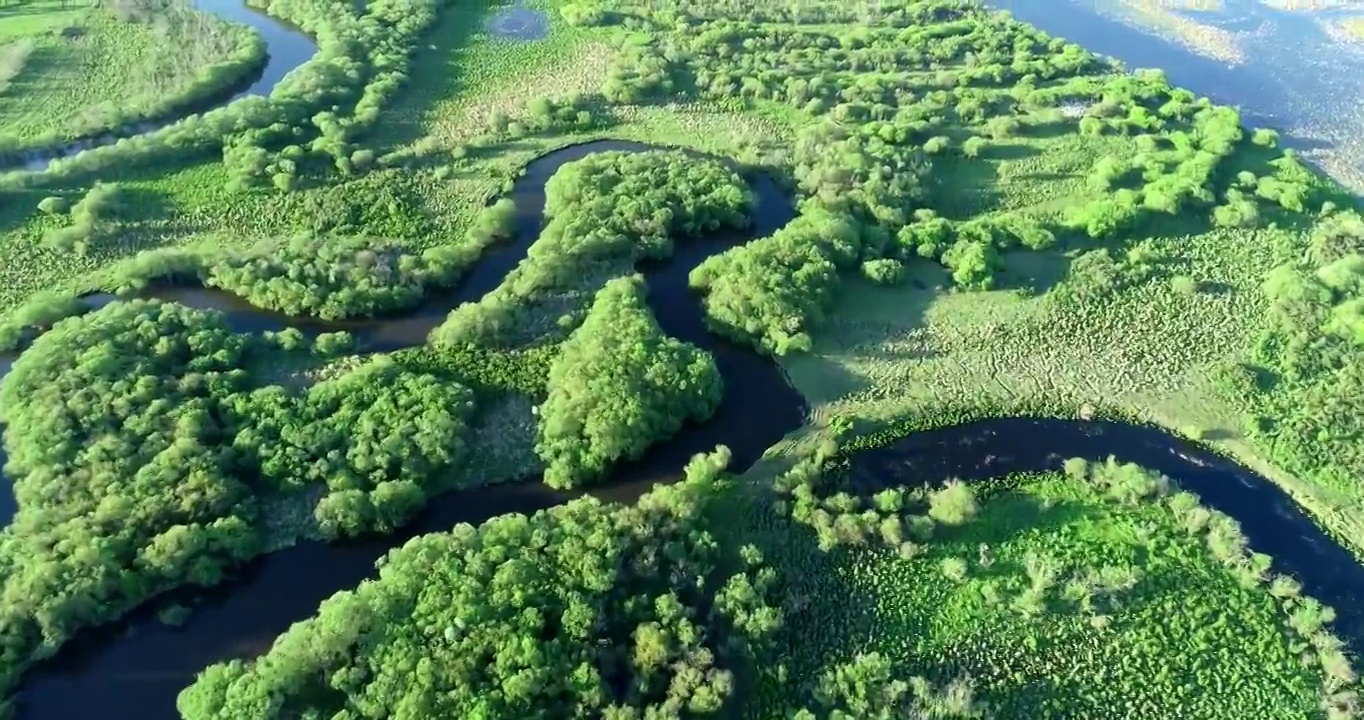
x: 335, y: 278
x: 618, y: 386
x: 118, y: 433
x: 377, y: 437
x: 606, y: 210
x: 319, y: 109
x: 585, y: 610
x: 772, y: 291
x: 866, y: 688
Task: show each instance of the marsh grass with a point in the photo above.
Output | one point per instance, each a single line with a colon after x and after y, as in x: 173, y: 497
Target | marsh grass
x: 89, y: 71
x: 1012, y: 600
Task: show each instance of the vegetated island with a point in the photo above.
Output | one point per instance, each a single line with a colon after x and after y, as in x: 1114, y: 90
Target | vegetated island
x: 70, y: 71
x: 988, y: 222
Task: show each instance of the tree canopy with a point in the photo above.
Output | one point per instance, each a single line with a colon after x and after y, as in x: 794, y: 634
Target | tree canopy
x: 588, y: 610
x: 618, y: 385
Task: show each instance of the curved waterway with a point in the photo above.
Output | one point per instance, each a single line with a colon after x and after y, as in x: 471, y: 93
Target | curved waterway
x: 286, y: 48
x: 134, y: 669
x: 1292, y: 76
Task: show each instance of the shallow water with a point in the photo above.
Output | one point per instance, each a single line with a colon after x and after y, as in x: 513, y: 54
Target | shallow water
x: 1295, y: 78
x: 286, y: 48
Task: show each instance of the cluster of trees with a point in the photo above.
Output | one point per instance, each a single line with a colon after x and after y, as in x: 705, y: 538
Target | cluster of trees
x: 744, y: 52
x: 377, y: 437
x: 141, y: 448
x: 585, y: 610
x: 1227, y: 543
x: 119, y: 446
x: 771, y: 292
x: 868, y: 688
x: 543, y: 115
x: 605, y: 211
x: 339, y: 277
x: 316, y: 112
x: 1307, y: 370
x: 900, y: 518
x: 90, y: 217
x: 618, y: 385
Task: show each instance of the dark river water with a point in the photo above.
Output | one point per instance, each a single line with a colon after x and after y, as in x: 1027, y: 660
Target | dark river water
x: 286, y: 48
x: 1292, y: 79
x: 134, y: 669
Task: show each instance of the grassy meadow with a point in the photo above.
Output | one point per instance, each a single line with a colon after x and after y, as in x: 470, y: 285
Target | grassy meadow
x: 88, y: 69
x: 1054, y: 601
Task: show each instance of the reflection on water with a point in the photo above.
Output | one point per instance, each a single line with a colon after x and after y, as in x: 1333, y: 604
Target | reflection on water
x: 286, y: 48
x: 1295, y: 77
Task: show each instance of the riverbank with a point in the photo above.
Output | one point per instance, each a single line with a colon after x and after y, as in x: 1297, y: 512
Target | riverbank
x: 94, y: 72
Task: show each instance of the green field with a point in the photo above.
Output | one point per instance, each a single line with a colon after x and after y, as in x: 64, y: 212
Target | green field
x: 1053, y: 600
x: 90, y: 69
x: 991, y: 223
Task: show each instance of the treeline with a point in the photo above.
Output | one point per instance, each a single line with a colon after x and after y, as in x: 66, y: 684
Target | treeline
x: 869, y: 687
x: 858, y: 189
x: 572, y: 612
x: 341, y: 277
x: 377, y: 437
x: 141, y: 446
x: 316, y: 113
x: 118, y: 438
x: 746, y: 52
x: 619, y: 385
x: 1306, y: 617
x: 900, y: 518
x: 605, y: 212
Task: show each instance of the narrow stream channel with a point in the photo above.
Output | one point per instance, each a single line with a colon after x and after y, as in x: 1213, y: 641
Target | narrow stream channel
x: 286, y: 48
x: 134, y: 669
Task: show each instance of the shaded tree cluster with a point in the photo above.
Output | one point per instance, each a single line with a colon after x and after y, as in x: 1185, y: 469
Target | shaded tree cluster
x: 605, y: 211
x: 585, y: 610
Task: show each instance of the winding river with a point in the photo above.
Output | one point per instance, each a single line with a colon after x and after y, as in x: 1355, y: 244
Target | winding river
x: 134, y: 669
x: 286, y: 48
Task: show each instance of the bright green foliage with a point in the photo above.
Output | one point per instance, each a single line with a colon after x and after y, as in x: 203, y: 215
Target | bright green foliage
x: 1310, y: 359
x: 334, y: 278
x: 375, y: 436
x: 618, y: 386
x: 118, y: 434
x: 1100, y: 595
x: 866, y: 689
x: 605, y: 212
x: 86, y: 69
x: 586, y: 610
x: 770, y: 291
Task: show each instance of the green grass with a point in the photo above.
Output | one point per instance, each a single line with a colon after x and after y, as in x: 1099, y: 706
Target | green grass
x: 1188, y: 640
x: 90, y: 71
x: 1152, y: 351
